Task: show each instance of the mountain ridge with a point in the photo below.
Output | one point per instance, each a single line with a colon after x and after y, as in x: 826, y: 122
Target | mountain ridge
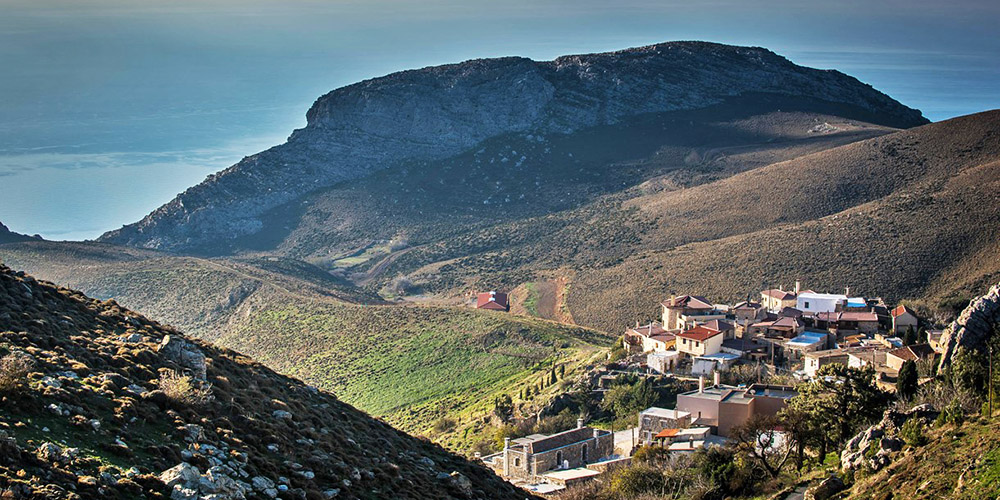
x: 437, y: 112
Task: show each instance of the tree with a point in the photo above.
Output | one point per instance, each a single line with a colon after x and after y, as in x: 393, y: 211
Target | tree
x: 759, y: 442
x: 910, y: 337
x: 906, y: 381
x: 503, y: 407
x: 552, y: 377
x: 838, y: 402
x: 626, y: 399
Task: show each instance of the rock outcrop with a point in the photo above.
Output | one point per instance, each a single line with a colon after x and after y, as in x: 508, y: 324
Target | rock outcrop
x: 974, y: 326
x: 438, y: 112
x: 872, y: 448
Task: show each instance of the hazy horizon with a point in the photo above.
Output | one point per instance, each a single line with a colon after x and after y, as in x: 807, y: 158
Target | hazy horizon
x: 111, y: 108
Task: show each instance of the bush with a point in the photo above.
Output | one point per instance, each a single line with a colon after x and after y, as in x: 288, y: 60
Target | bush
x: 952, y: 414
x: 444, y: 424
x: 184, y: 390
x: 14, y: 370
x: 913, y: 432
x: 637, y: 480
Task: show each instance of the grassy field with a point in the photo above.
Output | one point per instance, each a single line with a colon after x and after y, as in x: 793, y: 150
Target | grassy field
x: 409, y: 364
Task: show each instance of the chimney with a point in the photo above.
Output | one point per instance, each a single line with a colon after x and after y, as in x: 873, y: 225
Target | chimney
x: 701, y: 383
x: 847, y: 291
x: 506, y: 443
x: 798, y: 286
x: 716, y: 378
x: 636, y: 324
x: 579, y: 423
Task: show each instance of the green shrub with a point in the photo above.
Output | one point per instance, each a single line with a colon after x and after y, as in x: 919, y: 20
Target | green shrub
x: 444, y: 424
x: 952, y: 414
x: 637, y: 480
x: 184, y: 390
x: 913, y: 432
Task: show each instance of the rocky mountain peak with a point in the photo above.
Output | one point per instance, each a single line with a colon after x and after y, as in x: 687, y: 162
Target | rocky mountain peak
x: 439, y: 112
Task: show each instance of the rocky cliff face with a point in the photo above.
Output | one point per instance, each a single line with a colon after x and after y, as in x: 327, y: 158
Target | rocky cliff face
x: 974, y: 327
x: 438, y: 112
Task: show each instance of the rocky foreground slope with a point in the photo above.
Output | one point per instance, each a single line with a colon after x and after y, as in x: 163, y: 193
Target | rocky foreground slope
x: 439, y: 112
x: 99, y: 402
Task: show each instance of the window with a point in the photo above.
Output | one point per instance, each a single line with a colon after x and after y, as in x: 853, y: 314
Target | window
x: 559, y: 460
x: 584, y: 453
x: 807, y: 305
x: 517, y: 461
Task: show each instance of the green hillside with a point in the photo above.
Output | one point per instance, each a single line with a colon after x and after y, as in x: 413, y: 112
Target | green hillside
x: 409, y: 364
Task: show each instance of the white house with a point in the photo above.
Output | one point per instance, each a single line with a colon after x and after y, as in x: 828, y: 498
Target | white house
x: 811, y: 302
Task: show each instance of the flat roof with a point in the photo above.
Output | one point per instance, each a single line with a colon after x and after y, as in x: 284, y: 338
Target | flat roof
x: 571, y: 474
x: 814, y: 295
x: 665, y: 413
x: 725, y: 356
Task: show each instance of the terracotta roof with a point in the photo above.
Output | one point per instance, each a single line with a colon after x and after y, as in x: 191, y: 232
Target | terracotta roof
x: 664, y: 337
x: 700, y: 333
x: 688, y: 302
x: 778, y: 294
x: 900, y: 310
x: 787, y: 322
x: 913, y: 352
x: 667, y: 433
x: 486, y: 299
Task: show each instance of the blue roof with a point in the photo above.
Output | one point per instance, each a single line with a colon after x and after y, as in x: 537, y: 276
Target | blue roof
x: 856, y: 302
x: 807, y: 338
x: 720, y: 356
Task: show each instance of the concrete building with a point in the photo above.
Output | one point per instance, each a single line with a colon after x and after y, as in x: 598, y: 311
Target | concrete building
x: 527, y: 458
x: 814, y: 303
x: 663, y: 362
x: 815, y: 360
x: 713, y: 363
x: 903, y: 319
x: 653, y: 420
x: 807, y: 342
x: 848, y: 323
x: 725, y: 407
x: 699, y: 341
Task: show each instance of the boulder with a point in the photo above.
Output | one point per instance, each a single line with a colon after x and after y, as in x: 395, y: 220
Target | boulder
x: 182, y: 474
x: 826, y: 489
x: 184, y: 354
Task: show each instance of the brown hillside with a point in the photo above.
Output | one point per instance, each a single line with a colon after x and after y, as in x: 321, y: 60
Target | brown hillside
x: 93, y: 417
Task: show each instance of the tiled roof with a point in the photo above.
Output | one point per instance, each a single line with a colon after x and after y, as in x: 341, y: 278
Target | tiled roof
x: 688, y: 302
x: 497, y: 298
x: 900, y: 310
x: 667, y: 433
x: 700, y: 333
x: 913, y: 352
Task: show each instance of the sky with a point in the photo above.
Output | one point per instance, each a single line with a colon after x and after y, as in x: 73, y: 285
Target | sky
x: 110, y: 108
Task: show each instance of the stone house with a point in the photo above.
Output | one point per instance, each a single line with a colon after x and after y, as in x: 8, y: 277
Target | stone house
x: 529, y: 457
x: 699, y: 341
x: 848, y: 323
x: 653, y: 420
x: 678, y: 312
x: 776, y: 299
x: 748, y: 312
x: 648, y: 338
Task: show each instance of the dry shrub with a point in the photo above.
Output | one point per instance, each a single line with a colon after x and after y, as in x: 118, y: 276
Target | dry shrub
x: 183, y: 389
x: 14, y: 370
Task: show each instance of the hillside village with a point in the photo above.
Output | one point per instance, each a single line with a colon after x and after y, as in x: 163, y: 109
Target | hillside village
x: 787, y: 334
